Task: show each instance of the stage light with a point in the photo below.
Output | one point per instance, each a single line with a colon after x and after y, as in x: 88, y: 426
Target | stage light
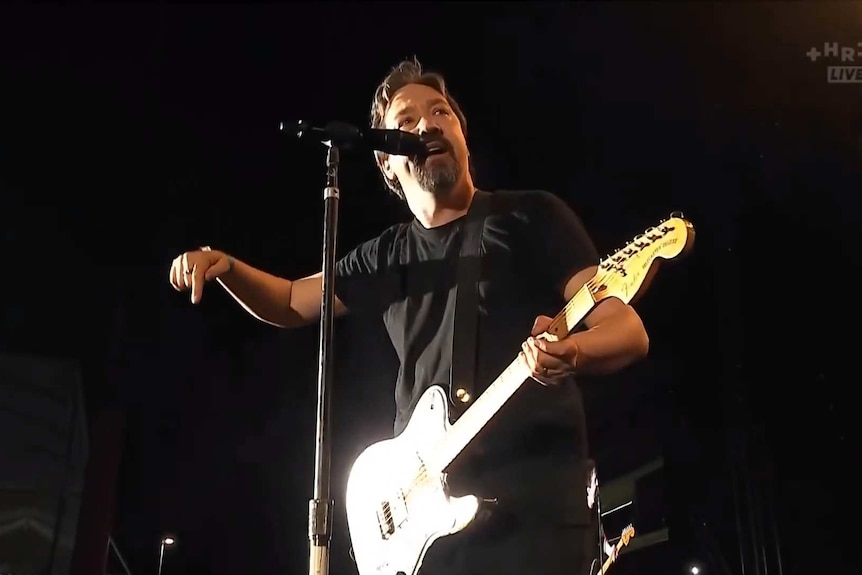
x: 166, y: 541
x: 695, y: 570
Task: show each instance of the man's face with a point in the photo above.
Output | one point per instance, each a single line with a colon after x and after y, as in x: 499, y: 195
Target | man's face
x: 424, y: 111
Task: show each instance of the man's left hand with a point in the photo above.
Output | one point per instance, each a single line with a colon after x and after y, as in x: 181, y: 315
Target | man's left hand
x: 549, y: 361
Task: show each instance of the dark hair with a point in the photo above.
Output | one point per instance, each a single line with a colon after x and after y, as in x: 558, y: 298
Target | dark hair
x: 407, y: 72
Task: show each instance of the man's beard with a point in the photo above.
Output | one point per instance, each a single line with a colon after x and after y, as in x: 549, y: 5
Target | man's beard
x: 438, y: 177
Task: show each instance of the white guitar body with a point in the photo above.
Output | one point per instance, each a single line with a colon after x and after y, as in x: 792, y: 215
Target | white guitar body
x: 396, y: 505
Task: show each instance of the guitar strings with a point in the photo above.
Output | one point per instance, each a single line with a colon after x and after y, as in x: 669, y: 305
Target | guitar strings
x: 423, y: 474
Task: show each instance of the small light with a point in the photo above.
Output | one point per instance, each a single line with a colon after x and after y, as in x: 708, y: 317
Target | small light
x: 169, y: 541
x: 695, y: 570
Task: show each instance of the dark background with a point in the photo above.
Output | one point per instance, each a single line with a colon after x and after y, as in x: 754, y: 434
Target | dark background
x: 130, y: 133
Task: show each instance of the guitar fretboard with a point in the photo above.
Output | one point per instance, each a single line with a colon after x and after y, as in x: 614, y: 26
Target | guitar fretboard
x: 507, y: 383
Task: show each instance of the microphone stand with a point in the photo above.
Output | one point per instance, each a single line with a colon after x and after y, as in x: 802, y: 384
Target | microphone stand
x: 320, y: 506
x: 335, y: 134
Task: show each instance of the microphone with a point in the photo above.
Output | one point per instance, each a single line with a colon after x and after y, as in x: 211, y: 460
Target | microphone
x: 341, y: 135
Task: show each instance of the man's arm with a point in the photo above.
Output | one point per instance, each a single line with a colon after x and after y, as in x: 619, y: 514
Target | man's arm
x: 271, y: 299
x: 275, y: 300
x: 282, y: 302
x: 615, y: 336
x: 609, y: 548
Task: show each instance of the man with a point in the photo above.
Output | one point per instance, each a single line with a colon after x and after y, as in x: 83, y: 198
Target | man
x: 592, y: 495
x: 535, y: 256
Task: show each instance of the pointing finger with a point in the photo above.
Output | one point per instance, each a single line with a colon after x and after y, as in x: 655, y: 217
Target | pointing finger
x: 197, y: 281
x: 173, y: 275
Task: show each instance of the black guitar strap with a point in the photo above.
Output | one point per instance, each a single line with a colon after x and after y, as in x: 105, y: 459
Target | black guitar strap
x: 464, y: 333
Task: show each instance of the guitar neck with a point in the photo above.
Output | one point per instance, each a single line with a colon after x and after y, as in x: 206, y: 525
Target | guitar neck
x: 627, y: 534
x: 504, y: 387
x: 610, y: 560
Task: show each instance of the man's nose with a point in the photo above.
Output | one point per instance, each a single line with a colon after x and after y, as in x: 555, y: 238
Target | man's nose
x: 427, y: 126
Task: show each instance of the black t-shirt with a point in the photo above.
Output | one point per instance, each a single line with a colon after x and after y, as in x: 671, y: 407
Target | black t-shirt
x: 532, y: 243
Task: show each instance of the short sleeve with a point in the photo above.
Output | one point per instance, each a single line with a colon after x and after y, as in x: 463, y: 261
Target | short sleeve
x: 361, y: 275
x: 563, y: 246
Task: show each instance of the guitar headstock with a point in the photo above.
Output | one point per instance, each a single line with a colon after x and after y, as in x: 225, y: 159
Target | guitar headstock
x: 629, y: 270
x: 627, y: 534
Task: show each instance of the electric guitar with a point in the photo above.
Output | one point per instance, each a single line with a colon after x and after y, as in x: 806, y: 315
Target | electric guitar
x: 625, y: 537
x: 396, y: 500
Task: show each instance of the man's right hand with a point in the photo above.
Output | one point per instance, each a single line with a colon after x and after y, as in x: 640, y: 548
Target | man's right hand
x: 192, y: 270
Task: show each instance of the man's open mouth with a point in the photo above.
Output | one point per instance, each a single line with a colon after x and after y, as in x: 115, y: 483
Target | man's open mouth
x: 436, y: 147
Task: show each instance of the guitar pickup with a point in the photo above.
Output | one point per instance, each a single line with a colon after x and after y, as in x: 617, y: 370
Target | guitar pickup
x: 384, y: 519
x: 391, y: 514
